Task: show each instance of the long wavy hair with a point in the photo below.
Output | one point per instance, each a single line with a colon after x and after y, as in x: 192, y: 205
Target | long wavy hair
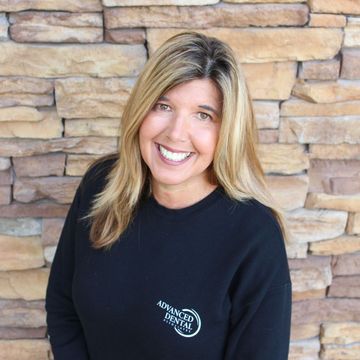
x: 235, y: 167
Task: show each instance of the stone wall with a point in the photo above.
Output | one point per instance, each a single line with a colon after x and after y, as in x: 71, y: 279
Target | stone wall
x: 66, y: 69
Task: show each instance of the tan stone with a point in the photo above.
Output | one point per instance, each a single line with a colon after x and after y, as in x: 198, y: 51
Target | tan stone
x: 335, y: 6
x: 24, y: 349
x: 20, y: 113
x: 335, y: 352
x: 157, y: 2
x: 43, y: 210
x: 76, y: 165
x: 20, y: 227
x: 125, y: 36
x: 329, y: 309
x: 5, y: 163
x: 353, y: 226
x: 283, y: 158
x: 296, y: 250
x: 267, y: 45
x: 76, y: 145
x: 304, y: 331
x: 320, y: 70
x: 58, y: 188
x: 22, y: 333
x: 289, y: 191
x: 322, y: 172
x: 298, y: 107
x: 102, y: 60
x: 311, y: 278
x: 340, y: 151
x: 345, y: 286
x: 50, y: 126
x: 6, y: 177
x: 347, y: 264
x: 40, y: 165
x: 318, y: 265
x: 28, y: 100
x: 266, y: 114
x: 5, y: 195
x: 304, y: 349
x: 309, y: 294
x: 270, y: 81
x: 336, y: 202
x: 21, y: 313
x: 268, y: 136
x: 21, y: 94
x: 340, y: 333
x: 323, y: 130
x: 328, y: 91
x: 68, y: 5
x: 345, y: 185
x: 352, y: 37
x: 350, y: 68
x: 92, y: 127
x: 315, y: 225
x: 18, y: 253
x: 92, y: 98
x: 327, y: 20
x: 51, y: 231
x: 21, y: 85
x: 340, y: 245
x: 36, y: 26
x: 223, y: 15
x: 25, y: 284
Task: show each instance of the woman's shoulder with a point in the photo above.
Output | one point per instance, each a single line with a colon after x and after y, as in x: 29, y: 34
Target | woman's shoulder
x: 255, y: 221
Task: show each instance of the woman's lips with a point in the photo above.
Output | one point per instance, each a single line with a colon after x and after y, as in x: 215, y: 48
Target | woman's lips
x: 168, y: 161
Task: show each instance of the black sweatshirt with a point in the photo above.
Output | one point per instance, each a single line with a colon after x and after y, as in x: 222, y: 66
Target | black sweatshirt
x: 208, y: 282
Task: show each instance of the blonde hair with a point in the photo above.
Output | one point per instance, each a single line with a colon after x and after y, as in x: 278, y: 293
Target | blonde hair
x: 236, y: 167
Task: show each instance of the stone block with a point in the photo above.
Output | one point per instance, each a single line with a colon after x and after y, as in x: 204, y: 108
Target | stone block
x: 19, y: 253
x: 58, y: 188
x: 40, y: 165
x: 219, y: 16
x: 92, y: 98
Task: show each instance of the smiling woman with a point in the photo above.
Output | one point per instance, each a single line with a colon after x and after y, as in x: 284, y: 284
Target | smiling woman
x: 173, y: 247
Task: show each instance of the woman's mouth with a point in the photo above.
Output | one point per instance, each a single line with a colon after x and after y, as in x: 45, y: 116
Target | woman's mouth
x: 173, y: 157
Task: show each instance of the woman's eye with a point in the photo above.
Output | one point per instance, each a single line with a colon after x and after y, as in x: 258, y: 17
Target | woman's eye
x: 204, y: 116
x: 163, y: 107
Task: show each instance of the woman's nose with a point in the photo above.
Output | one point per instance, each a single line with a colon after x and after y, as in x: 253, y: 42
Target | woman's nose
x: 178, y: 128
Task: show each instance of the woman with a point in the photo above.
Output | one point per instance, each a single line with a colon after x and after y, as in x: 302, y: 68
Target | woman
x: 174, y: 249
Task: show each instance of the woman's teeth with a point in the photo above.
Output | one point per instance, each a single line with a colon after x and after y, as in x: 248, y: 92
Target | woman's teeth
x: 173, y: 156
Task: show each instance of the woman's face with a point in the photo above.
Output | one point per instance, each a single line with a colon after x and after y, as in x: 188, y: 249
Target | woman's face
x: 179, y: 134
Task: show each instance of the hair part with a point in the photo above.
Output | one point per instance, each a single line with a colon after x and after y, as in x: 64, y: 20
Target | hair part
x: 236, y: 168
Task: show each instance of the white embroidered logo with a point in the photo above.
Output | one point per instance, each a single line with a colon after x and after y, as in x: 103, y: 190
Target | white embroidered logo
x: 186, y: 322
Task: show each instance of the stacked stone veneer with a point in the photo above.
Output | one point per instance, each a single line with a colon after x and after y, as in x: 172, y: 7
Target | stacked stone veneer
x: 66, y: 69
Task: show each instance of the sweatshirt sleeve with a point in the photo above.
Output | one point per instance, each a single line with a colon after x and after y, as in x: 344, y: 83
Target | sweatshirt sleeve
x: 64, y: 328
x: 263, y: 331
x: 261, y: 299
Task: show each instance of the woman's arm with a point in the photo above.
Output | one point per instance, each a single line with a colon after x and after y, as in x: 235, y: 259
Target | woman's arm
x: 64, y: 328
x: 263, y: 331
x: 261, y: 295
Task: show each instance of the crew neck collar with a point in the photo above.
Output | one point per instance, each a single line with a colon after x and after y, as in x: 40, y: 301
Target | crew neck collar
x: 191, y: 210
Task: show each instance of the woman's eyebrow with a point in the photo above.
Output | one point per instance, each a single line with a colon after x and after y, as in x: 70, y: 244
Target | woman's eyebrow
x: 206, y: 107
